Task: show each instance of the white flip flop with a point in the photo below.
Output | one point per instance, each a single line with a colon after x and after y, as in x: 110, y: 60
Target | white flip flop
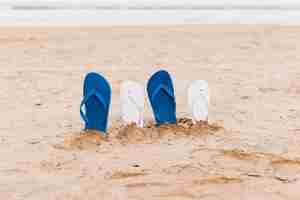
x: 132, y: 102
x: 198, y: 100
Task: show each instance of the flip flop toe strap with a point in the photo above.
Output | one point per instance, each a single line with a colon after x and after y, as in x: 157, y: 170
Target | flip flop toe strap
x: 163, y: 88
x: 166, y: 90
x: 98, y: 96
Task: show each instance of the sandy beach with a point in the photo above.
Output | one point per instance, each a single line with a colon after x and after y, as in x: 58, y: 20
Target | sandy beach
x: 254, y: 77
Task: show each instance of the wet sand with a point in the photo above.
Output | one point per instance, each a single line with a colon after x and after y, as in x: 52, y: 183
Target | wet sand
x: 254, y: 77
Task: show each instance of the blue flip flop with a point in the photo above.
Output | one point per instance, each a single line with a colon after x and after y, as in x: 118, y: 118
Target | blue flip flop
x: 94, y: 108
x: 161, y: 95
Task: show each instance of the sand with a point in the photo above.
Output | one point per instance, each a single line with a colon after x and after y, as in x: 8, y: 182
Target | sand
x: 254, y: 77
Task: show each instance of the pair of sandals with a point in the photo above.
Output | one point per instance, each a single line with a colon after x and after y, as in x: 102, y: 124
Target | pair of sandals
x: 96, y: 101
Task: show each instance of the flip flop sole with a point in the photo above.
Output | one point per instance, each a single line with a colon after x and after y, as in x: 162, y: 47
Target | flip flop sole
x: 162, y: 99
x: 97, y: 105
x: 198, y: 100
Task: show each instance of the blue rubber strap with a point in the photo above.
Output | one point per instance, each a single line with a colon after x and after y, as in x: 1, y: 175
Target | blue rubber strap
x: 86, y: 98
x: 164, y: 88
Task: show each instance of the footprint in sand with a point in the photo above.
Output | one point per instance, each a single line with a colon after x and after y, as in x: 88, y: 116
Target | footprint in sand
x: 233, y: 161
x: 185, y: 191
x: 184, y: 169
x: 262, y: 164
x: 286, y: 170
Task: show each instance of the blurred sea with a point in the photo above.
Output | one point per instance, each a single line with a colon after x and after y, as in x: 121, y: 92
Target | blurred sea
x: 146, y: 15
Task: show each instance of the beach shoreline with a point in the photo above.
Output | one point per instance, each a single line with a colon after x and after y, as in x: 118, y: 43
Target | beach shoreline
x: 107, y: 17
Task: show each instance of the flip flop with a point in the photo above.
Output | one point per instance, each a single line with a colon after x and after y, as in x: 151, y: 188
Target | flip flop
x: 94, y: 108
x: 162, y: 99
x: 198, y: 100
x: 132, y: 102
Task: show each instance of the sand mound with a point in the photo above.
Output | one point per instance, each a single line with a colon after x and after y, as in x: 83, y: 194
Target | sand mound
x: 273, y: 158
x: 84, y: 140
x: 123, y: 175
x: 200, y: 128
x: 131, y: 134
x: 151, y: 133
x: 186, y: 127
x: 241, y: 154
x: 284, y: 161
x: 218, y: 180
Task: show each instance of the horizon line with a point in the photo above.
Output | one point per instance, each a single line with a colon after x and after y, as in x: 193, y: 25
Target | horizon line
x: 154, y: 7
